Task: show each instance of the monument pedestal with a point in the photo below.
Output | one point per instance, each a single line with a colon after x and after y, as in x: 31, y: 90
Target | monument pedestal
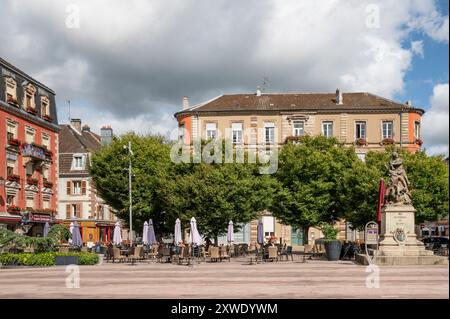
x: 398, y: 240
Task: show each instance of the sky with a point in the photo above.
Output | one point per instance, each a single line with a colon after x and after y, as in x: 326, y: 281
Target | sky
x: 129, y: 63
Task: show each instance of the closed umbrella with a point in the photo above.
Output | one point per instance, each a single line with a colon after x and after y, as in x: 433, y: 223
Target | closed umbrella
x: 151, y: 233
x: 46, y: 229
x: 230, y: 232
x: 194, y: 237
x: 145, y: 234
x: 76, y: 236
x: 260, y: 233
x: 178, y: 232
x: 71, y: 232
x: 117, y: 236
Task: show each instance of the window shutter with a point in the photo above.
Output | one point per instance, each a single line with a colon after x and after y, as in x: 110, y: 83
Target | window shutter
x: 83, y: 187
x: 69, y: 188
x: 79, y: 211
x: 68, y: 211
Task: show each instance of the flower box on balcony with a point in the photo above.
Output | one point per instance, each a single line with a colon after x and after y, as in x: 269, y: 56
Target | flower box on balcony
x: 387, y: 141
x: 48, y: 184
x: 47, y: 118
x: 13, y: 209
x: 13, y: 178
x: 31, y: 110
x: 48, y: 153
x: 418, y: 141
x: 294, y: 139
x: 32, y: 181
x: 12, y: 100
x: 13, y: 142
x: 361, y: 142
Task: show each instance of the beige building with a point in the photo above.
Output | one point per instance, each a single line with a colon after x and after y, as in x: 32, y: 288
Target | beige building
x: 363, y: 120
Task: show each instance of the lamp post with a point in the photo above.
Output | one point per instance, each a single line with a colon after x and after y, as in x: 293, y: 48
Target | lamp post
x: 130, y: 153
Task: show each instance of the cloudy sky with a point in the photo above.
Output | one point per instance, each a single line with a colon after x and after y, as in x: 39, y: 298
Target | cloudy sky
x: 128, y: 63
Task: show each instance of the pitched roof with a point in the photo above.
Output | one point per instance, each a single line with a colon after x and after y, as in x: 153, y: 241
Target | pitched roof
x: 70, y: 142
x: 319, y: 102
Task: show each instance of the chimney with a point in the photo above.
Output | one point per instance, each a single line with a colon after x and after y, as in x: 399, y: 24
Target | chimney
x: 185, y: 102
x: 408, y: 103
x: 86, y: 128
x: 76, y: 124
x: 106, y: 135
x: 258, y: 91
x: 339, y: 99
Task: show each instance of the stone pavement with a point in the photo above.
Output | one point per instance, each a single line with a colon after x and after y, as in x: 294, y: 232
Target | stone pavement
x: 235, y: 279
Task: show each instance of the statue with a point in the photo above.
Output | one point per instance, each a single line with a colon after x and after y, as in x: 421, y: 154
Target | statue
x: 398, y: 191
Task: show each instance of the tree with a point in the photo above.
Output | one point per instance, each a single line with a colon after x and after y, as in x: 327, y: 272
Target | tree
x: 152, y: 186
x: 428, y: 176
x: 312, y: 173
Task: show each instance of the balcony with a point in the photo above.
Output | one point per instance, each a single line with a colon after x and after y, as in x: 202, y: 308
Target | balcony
x: 13, y: 209
x: 13, y: 178
x: 35, y: 151
x: 32, y: 181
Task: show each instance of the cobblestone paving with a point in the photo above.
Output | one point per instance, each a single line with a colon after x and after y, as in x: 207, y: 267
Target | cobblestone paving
x: 235, y: 279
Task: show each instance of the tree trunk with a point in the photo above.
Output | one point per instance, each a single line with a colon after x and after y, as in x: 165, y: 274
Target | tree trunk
x: 216, y: 240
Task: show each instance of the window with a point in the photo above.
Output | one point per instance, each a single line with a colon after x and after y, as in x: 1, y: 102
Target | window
x: 46, y: 204
x: 417, y: 130
x: 30, y: 202
x: 11, y: 130
x: 76, y: 188
x: 268, y: 225
x: 181, y: 133
x: 299, y: 128
x: 11, y: 90
x: 10, y: 200
x: 45, y: 173
x: 269, y: 132
x: 73, y: 211
x: 29, y: 169
x: 360, y: 129
x: 387, y: 129
x: 29, y: 135
x: 78, y: 162
x: 211, y: 130
x: 29, y: 92
x: 236, y: 131
x: 46, y: 141
x: 327, y: 128
x: 10, y: 170
x: 45, y: 106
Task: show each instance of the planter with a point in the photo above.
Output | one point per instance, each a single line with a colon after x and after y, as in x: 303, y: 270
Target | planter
x: 67, y: 260
x: 333, y: 249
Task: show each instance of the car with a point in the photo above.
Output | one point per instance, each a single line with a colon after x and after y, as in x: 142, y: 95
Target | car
x: 435, y: 242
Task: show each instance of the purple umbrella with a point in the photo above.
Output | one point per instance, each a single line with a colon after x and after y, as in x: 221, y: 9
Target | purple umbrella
x: 76, y: 236
x: 260, y: 233
x: 230, y: 233
x: 145, y: 234
x: 151, y: 233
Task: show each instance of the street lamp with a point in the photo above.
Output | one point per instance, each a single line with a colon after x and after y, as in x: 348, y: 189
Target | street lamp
x: 130, y: 153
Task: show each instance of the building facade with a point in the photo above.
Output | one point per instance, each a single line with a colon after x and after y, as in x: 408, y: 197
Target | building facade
x: 28, y: 152
x: 78, y: 199
x: 363, y: 120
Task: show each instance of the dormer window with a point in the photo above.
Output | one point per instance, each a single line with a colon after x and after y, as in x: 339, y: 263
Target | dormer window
x: 78, y: 162
x: 29, y: 101
x: 11, y: 91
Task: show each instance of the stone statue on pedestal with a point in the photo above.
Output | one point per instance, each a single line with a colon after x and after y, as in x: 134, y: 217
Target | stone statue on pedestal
x: 398, y: 192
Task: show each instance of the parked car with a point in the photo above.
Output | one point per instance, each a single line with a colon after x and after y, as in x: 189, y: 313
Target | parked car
x: 435, y: 242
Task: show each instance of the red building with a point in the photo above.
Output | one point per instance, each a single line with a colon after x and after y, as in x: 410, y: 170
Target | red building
x: 28, y: 152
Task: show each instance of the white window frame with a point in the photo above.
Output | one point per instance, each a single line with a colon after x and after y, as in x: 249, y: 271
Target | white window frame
x: 296, y: 130
x: 45, y: 140
x: 327, y: 124
x: 269, y: 132
x: 417, y: 129
x: 30, y: 135
x: 359, y: 123
x: 76, y: 190
x: 211, y: 130
x: 383, y: 136
x: 236, y: 133
x: 74, y: 162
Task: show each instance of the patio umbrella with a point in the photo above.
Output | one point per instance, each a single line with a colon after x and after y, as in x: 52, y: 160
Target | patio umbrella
x: 178, y: 238
x: 151, y: 233
x: 194, y: 236
x: 117, y: 236
x: 46, y: 229
x: 71, y: 232
x: 230, y: 233
x: 260, y: 233
x: 145, y: 234
x: 76, y: 236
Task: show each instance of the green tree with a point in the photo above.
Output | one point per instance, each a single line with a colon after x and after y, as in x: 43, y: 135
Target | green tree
x: 312, y: 173
x: 152, y: 186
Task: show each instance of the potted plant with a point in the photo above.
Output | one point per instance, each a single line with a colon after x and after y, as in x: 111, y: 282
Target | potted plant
x: 388, y: 141
x: 361, y: 142
x: 419, y: 141
x: 332, y: 245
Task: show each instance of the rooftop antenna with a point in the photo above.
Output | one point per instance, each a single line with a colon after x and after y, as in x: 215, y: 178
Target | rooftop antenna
x: 265, y: 84
x: 68, y: 103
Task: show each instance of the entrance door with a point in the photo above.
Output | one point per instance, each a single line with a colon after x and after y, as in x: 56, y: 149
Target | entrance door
x: 297, y: 236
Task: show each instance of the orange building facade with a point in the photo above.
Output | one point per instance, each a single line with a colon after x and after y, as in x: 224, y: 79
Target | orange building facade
x: 28, y: 152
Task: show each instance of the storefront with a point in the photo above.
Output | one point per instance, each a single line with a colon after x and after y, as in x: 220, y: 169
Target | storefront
x: 37, y: 222
x: 9, y: 221
x: 92, y: 231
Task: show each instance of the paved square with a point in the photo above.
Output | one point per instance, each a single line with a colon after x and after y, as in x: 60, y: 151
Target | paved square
x: 235, y: 279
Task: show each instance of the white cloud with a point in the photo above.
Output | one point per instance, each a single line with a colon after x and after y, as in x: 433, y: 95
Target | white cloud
x: 435, y: 123
x: 134, y: 60
x: 417, y: 48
